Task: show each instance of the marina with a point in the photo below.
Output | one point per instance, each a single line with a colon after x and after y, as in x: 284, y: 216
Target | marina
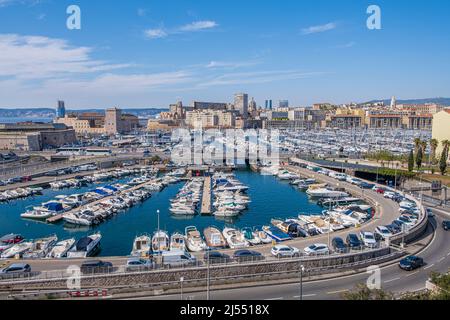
x: 270, y: 197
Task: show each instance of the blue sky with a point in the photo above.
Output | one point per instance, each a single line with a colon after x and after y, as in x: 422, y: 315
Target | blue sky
x: 152, y: 53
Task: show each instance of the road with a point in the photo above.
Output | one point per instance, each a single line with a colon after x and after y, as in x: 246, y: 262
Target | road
x: 436, y: 255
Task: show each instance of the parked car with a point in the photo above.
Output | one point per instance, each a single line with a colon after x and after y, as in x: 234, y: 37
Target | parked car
x: 383, y: 231
x: 216, y: 257
x: 282, y: 251
x: 353, y: 241
x: 446, y: 225
x: 366, y: 185
x: 339, y: 245
x: 411, y: 263
x: 389, y: 195
x: 247, y: 255
x: 176, y: 258
x: 379, y: 190
x: 393, y: 228
x: 317, y: 249
x: 139, y: 264
x: 15, y: 269
x: 368, y: 239
x: 96, y: 266
x: 430, y: 213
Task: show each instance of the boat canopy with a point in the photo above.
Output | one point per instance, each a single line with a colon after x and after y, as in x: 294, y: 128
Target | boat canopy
x: 101, y: 192
x: 54, y: 206
x: 111, y: 188
x: 83, y: 243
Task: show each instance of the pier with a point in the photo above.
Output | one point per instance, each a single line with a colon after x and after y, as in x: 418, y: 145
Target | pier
x: 59, y: 217
x: 206, y: 198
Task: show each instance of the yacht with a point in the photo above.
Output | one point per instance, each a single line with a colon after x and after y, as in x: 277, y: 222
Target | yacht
x: 235, y: 238
x: 251, y: 236
x: 141, y: 246
x: 214, y: 238
x: 41, y: 248
x: 160, y: 241
x: 194, y: 241
x: 60, y: 249
x: 326, y: 193
x: 85, y: 247
x: 16, y: 250
x: 177, y: 242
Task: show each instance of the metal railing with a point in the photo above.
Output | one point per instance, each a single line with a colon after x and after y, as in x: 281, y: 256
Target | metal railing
x: 198, y: 264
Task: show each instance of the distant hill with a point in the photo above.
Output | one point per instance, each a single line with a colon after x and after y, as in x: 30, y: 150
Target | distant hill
x: 442, y: 101
x: 50, y: 113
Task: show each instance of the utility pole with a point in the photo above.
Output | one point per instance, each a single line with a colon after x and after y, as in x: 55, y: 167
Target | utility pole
x: 181, y: 287
x: 159, y: 242
x: 208, y: 279
x: 302, y: 269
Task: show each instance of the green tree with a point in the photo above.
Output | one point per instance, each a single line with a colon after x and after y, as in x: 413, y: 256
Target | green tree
x: 419, y: 158
x: 417, y: 143
x: 411, y: 161
x: 444, y: 157
x: 362, y: 292
x: 434, y: 143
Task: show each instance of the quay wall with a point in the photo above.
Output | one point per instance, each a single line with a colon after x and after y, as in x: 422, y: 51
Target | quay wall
x: 235, y: 273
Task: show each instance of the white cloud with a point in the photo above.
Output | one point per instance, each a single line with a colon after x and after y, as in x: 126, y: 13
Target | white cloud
x: 155, y: 33
x: 36, y: 57
x: 346, y: 45
x: 318, y: 29
x: 231, y: 65
x: 199, y: 25
x: 196, y: 26
x: 258, y: 77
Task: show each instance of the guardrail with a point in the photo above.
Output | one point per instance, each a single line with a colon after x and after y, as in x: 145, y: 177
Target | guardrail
x: 199, y: 264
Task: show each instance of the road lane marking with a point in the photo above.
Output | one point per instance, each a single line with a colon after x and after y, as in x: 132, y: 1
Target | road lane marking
x: 395, y: 279
x: 441, y: 259
x: 339, y: 291
x: 305, y: 296
x: 448, y: 254
x: 274, y: 299
x: 428, y: 267
x: 412, y: 274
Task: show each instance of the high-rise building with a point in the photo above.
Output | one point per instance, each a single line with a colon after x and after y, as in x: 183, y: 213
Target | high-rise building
x: 393, y: 103
x: 241, y: 104
x: 61, y: 111
x: 283, y: 104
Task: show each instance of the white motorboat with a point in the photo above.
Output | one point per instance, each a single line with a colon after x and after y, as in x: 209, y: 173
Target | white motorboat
x: 194, y: 241
x: 40, y: 248
x: 85, y: 247
x: 61, y: 248
x: 326, y: 193
x: 177, y: 242
x: 251, y: 236
x: 235, y: 238
x: 141, y: 246
x: 214, y: 238
x: 160, y: 241
x: 16, y: 250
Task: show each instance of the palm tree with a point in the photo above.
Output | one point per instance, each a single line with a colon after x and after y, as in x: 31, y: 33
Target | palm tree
x: 434, y: 143
x: 417, y: 143
x: 424, y: 145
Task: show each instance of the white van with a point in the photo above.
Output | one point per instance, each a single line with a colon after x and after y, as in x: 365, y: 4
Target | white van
x: 178, y: 258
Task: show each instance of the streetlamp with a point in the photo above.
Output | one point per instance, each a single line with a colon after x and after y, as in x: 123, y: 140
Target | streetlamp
x: 208, y: 279
x: 159, y: 242
x: 302, y: 269
x: 181, y: 287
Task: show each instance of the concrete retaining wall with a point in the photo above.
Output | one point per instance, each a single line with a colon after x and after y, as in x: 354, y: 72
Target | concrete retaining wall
x: 224, y: 274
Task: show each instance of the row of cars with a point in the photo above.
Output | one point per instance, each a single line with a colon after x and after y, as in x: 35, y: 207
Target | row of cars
x: 71, y: 170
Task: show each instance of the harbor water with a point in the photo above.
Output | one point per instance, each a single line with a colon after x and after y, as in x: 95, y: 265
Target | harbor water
x: 271, y: 198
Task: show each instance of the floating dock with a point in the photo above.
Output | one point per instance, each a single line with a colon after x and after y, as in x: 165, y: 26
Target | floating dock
x: 206, y: 198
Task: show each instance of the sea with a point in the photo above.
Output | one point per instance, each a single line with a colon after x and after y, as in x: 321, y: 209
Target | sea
x: 271, y: 198
x: 15, y: 120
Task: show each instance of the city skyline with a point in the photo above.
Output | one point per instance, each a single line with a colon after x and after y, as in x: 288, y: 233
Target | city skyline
x: 142, y: 54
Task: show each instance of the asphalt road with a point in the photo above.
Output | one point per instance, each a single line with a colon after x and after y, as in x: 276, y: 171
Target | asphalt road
x: 436, y: 255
